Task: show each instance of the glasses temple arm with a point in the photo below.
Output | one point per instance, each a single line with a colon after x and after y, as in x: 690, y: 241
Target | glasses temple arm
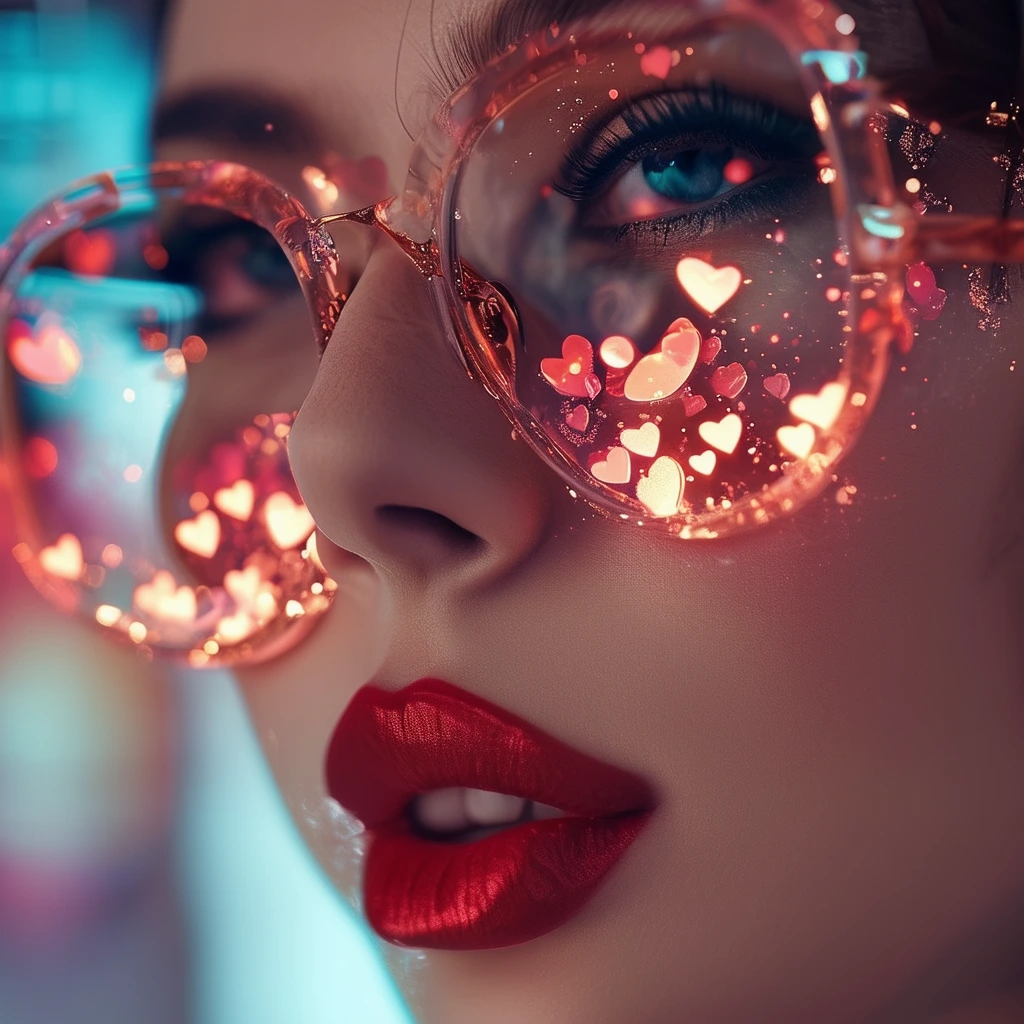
x: 956, y: 238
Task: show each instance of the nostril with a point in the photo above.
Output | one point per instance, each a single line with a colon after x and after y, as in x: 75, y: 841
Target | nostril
x: 423, y: 521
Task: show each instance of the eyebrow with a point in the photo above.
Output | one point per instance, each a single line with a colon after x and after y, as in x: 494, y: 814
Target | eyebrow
x: 236, y: 115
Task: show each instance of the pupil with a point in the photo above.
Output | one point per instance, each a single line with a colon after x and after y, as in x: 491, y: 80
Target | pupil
x: 692, y: 175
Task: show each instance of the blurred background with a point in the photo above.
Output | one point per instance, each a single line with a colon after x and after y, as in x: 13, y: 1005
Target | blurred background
x: 148, y: 870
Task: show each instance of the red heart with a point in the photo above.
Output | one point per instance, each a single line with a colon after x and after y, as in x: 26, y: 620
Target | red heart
x: 657, y: 62
x: 729, y: 381
x: 777, y: 385
x: 921, y: 285
x: 710, y: 349
x: 693, y: 404
x: 570, y: 374
x: 91, y: 253
x: 578, y: 419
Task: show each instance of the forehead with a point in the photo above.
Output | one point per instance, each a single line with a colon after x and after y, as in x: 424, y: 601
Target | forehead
x: 358, y: 69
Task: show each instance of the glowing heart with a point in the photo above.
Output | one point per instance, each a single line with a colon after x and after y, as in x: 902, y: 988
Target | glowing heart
x: 798, y: 440
x: 928, y: 297
x: 704, y: 464
x: 693, y: 404
x: 777, y: 385
x: 723, y: 435
x: 237, y: 500
x: 710, y: 287
x: 63, y: 559
x: 661, y: 489
x: 91, y: 253
x: 568, y: 375
x: 821, y: 409
x: 244, y: 586
x: 232, y: 629
x: 50, y: 357
x: 201, y: 535
x: 288, y: 523
x: 657, y: 62
x: 643, y: 441
x: 578, y: 419
x: 163, y: 599
x: 615, y: 468
x: 662, y: 373
x: 729, y: 381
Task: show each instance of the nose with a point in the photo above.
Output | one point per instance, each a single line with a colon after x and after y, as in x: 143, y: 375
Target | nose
x: 400, y: 457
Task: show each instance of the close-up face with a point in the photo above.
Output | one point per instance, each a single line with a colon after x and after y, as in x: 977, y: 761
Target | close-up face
x: 750, y: 771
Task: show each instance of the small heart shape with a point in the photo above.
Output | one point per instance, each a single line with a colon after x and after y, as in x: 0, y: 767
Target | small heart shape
x: 614, y: 468
x: 657, y: 62
x: 693, y: 404
x: 663, y: 372
x: 237, y: 500
x: 709, y: 286
x: 64, y: 558
x: 163, y: 599
x: 704, y: 464
x: 821, y: 409
x: 798, y: 440
x: 578, y: 419
x: 723, y: 435
x: 200, y: 535
x: 233, y: 629
x: 48, y: 357
x: 777, y: 385
x: 729, y: 381
x: 642, y: 441
x: 91, y: 253
x: 288, y: 522
x: 710, y: 349
x: 244, y: 586
x: 662, y: 488
x: 569, y: 375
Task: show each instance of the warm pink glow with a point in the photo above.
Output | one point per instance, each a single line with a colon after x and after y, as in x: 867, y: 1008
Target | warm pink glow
x: 288, y: 522
x: 50, y: 356
x: 237, y: 500
x: 164, y: 600
x: 644, y: 441
x: 615, y: 468
x: 201, y: 535
x: 710, y: 287
x: 617, y: 352
x: 821, y: 409
x: 568, y: 375
x: 723, y: 435
x: 63, y: 559
x: 662, y: 373
x: 662, y: 488
x: 704, y: 463
x: 798, y: 440
x: 657, y: 62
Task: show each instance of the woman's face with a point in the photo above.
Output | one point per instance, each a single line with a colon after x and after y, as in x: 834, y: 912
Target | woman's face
x: 830, y: 711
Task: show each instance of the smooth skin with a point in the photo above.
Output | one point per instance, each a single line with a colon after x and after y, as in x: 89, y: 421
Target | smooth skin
x: 831, y: 709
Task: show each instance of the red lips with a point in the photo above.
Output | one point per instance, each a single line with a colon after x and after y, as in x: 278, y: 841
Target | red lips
x: 509, y: 887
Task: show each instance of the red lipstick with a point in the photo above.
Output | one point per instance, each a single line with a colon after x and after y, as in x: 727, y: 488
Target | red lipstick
x: 510, y: 886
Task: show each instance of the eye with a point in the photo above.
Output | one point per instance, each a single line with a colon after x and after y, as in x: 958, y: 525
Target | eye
x: 691, y: 157
x: 237, y: 266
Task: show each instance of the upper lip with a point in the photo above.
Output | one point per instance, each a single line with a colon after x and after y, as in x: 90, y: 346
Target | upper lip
x: 390, y: 746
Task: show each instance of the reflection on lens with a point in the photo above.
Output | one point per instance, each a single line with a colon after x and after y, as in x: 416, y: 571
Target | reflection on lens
x: 154, y: 363
x: 659, y: 204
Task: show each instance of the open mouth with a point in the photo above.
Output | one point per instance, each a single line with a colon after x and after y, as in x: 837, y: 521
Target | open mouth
x: 485, y: 831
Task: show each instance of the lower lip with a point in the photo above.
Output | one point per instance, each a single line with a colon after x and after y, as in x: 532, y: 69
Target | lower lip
x: 510, y: 887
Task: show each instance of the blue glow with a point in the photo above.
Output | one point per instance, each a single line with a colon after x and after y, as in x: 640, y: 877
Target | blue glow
x: 837, y: 66
x: 878, y: 220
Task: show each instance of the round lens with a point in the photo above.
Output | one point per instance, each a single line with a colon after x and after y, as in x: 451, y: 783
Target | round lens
x: 154, y: 360
x: 658, y: 203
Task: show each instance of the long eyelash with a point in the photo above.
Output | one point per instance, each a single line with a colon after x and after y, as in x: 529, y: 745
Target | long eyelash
x: 700, y: 117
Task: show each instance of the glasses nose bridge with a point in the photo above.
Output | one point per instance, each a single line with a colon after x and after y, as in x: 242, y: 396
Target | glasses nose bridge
x: 425, y: 256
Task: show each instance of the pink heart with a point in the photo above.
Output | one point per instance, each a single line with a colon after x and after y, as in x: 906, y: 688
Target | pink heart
x: 642, y: 441
x: 777, y: 385
x: 723, y: 435
x: 578, y: 419
x: 693, y: 404
x: 237, y: 500
x: 63, y: 559
x: 288, y: 522
x: 729, y: 381
x: 710, y: 349
x: 709, y: 286
x: 50, y: 357
x: 798, y: 440
x: 661, y: 489
x: 705, y: 463
x: 569, y: 375
x: 821, y: 409
x: 663, y: 372
x: 163, y: 599
x: 201, y: 535
x: 928, y: 297
x: 657, y: 62
x: 615, y: 468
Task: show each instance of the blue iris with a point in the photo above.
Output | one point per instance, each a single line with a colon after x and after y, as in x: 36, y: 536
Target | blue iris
x: 694, y: 175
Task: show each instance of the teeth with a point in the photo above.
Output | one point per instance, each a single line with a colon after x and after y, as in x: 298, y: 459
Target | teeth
x: 458, y: 809
x: 442, y: 810
x: 542, y: 812
x: 486, y: 808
